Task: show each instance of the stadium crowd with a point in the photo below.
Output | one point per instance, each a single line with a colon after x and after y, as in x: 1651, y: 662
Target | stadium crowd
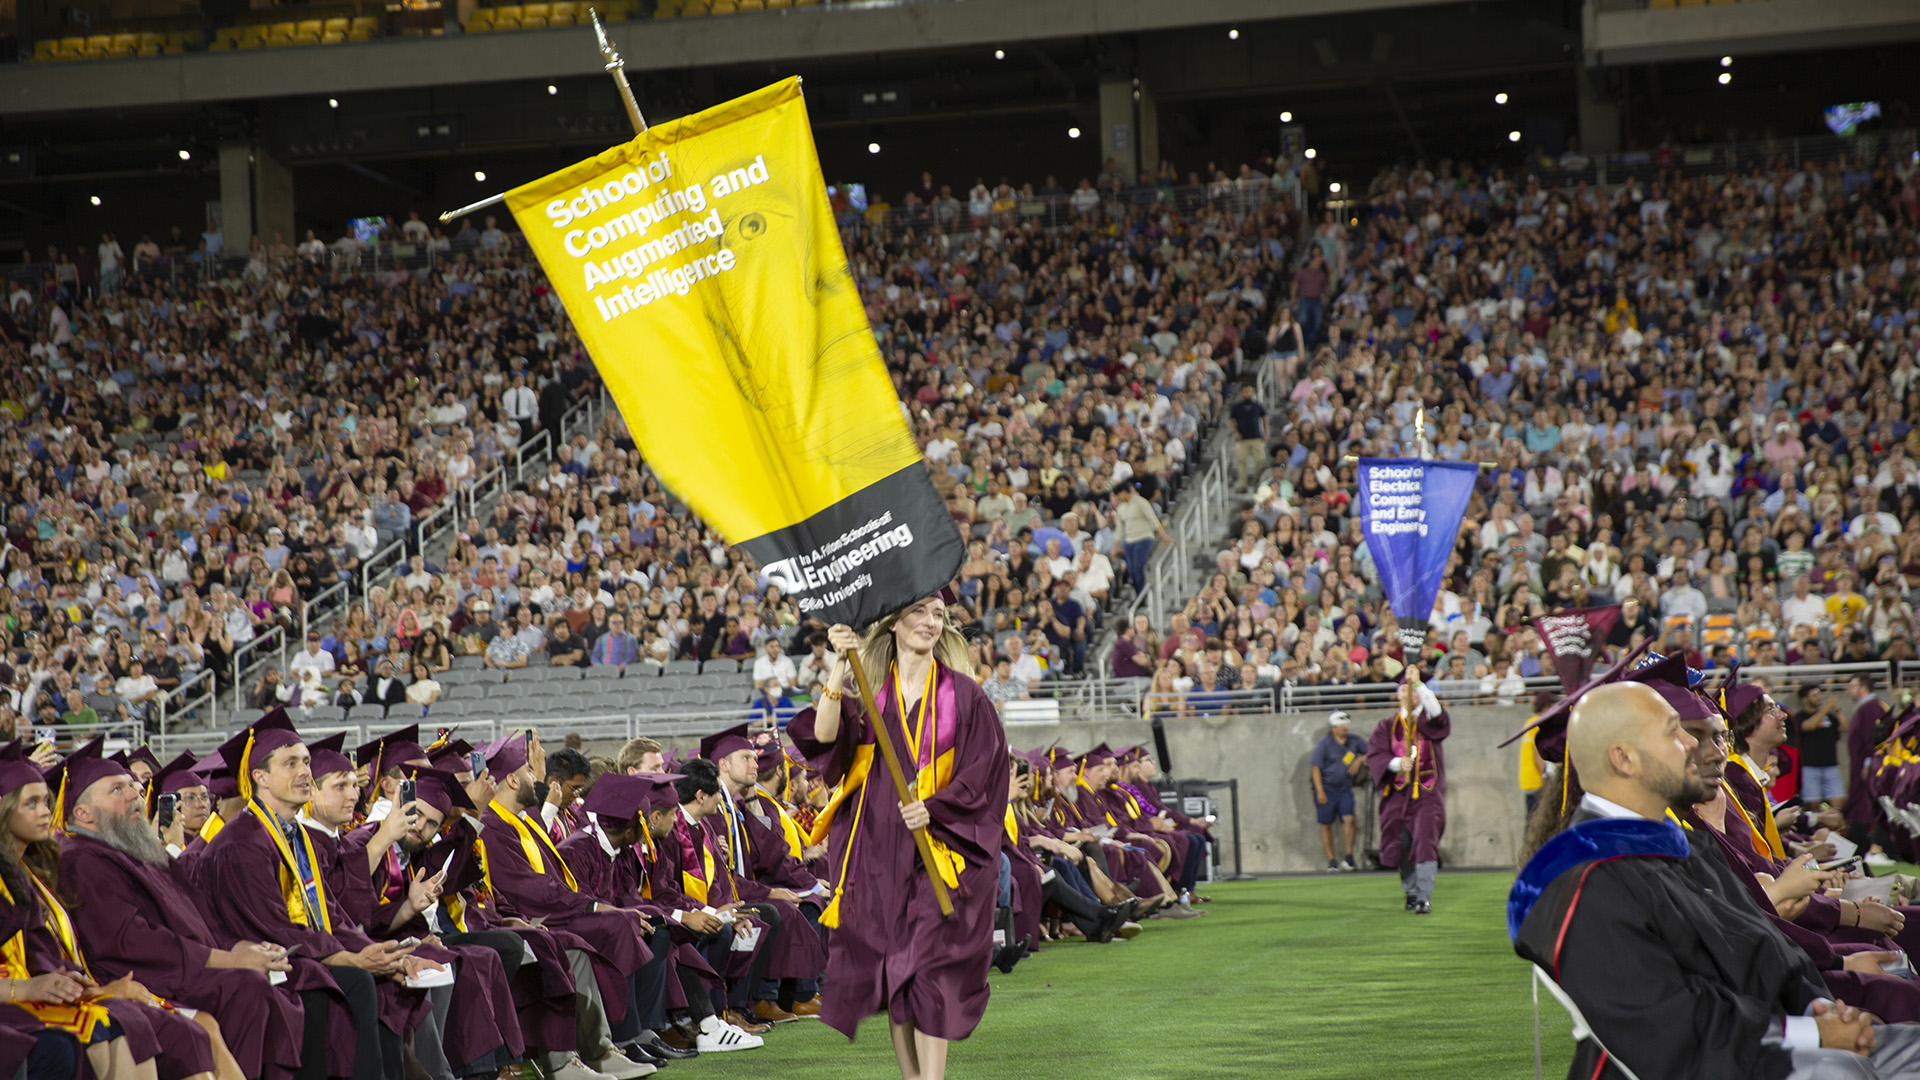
x: 1692, y: 396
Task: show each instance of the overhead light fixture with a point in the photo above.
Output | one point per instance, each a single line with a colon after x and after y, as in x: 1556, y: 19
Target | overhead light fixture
x: 1312, y: 153
x: 1073, y: 133
x: 1513, y: 136
x: 873, y: 148
x: 999, y: 54
x: 1726, y: 77
x: 552, y: 89
x: 480, y: 176
x: 333, y: 103
x: 1233, y: 35
x: 1500, y: 98
x: 1726, y: 61
x: 95, y: 200
x: 1286, y: 118
x: 1334, y: 187
x: 186, y: 155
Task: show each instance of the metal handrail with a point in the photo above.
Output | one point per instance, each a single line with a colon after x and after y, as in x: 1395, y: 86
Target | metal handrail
x: 320, y: 603
x: 67, y: 737
x: 253, y: 651
x: 394, y: 552
x: 1783, y: 679
x: 178, y: 700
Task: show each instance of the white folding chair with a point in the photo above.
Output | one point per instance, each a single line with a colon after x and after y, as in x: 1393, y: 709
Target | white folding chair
x: 1581, y: 1030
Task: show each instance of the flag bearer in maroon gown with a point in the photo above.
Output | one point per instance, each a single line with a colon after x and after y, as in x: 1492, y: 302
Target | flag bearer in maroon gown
x: 1404, y: 756
x: 892, y: 949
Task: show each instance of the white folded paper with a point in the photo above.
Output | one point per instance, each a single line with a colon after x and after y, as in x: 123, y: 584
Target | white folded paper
x: 432, y: 977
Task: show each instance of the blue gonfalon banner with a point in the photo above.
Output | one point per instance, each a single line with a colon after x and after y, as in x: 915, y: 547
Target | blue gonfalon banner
x: 1410, y: 511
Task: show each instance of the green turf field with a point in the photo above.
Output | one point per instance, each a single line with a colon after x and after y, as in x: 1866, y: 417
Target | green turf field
x: 1298, y: 977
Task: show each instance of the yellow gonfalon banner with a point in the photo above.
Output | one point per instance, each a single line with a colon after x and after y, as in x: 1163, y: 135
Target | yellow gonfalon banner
x: 704, y: 273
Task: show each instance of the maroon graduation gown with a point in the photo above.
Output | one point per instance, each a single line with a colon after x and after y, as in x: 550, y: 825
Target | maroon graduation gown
x: 1425, y: 816
x: 892, y: 948
x: 1860, y: 807
x: 240, y: 873
x: 621, y: 880
x: 480, y: 1017
x: 530, y: 894
x: 138, y: 919
x: 177, y: 1046
x: 543, y: 989
x: 1027, y: 886
x: 1123, y: 863
x: 794, y: 950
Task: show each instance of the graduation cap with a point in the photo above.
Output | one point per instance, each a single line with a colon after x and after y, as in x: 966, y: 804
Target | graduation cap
x: 330, y: 755
x: 450, y: 755
x: 1056, y: 757
x: 1096, y: 756
x: 178, y: 775
x: 250, y: 747
x: 506, y: 755
x: 441, y: 790
x: 16, y: 771
x: 1668, y: 676
x: 390, y: 750
x: 659, y: 794
x: 771, y: 754
x: 721, y: 743
x: 1735, y: 696
x: 1551, y: 725
x: 213, y: 772
x: 80, y: 771
x: 139, y: 753
x: 619, y: 796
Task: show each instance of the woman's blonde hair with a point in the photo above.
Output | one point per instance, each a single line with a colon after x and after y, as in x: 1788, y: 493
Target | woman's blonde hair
x: 950, y: 648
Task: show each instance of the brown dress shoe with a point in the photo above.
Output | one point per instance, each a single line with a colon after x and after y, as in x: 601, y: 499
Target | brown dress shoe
x: 771, y: 1012
x: 680, y: 1037
x: 746, y: 1023
x: 809, y: 1007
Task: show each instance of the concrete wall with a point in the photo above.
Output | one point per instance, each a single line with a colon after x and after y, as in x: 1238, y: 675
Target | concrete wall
x: 1269, y: 755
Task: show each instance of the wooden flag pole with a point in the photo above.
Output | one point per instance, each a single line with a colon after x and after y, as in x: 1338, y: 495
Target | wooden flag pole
x: 616, y: 67
x: 885, y: 738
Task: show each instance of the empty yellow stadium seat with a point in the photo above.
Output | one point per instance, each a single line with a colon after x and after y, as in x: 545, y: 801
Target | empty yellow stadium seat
x: 505, y: 24
x: 507, y: 11
x: 316, y: 27
x: 749, y: 5
x: 46, y: 48
x: 358, y: 36
x: 99, y: 41
x: 568, y: 8
x: 722, y: 7
x: 336, y: 26
x: 561, y: 20
x: 334, y: 37
x: 775, y: 4
x: 533, y: 22
x: 365, y: 22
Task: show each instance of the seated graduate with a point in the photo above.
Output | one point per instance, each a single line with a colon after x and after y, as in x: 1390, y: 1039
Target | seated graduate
x: 1676, y: 970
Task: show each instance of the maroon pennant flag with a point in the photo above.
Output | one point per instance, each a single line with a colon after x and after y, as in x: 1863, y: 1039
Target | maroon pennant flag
x: 1574, y: 639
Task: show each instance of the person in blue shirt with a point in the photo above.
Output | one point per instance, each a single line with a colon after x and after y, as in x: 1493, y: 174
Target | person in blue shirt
x: 1337, y: 759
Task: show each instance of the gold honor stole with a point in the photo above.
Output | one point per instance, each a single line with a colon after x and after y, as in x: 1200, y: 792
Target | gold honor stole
x: 697, y: 885
x: 82, y: 1016
x: 1013, y: 825
x: 293, y: 887
x: 531, y: 846
x: 788, y: 827
x: 1771, y: 830
x: 1761, y: 844
x: 1080, y: 781
x: 213, y: 826
x: 924, y: 733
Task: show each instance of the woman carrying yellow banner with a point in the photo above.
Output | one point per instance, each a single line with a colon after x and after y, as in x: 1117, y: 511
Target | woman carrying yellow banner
x: 892, y: 949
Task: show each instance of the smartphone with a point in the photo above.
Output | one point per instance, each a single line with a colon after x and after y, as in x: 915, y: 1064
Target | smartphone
x: 409, y: 942
x: 476, y: 762
x: 408, y: 791
x: 44, y: 736
x: 165, y: 809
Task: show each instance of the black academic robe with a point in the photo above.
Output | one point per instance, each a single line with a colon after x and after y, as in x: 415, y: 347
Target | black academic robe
x: 138, y: 919
x: 1673, y: 966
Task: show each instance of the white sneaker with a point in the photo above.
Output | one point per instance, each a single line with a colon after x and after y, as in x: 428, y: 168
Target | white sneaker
x: 575, y: 1069
x: 621, y: 1067
x: 717, y: 1037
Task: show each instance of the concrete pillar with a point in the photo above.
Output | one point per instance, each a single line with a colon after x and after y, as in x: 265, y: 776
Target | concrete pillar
x: 236, y: 197
x: 1119, y: 135
x: 272, y: 197
x: 1149, y: 113
x: 1599, y: 114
